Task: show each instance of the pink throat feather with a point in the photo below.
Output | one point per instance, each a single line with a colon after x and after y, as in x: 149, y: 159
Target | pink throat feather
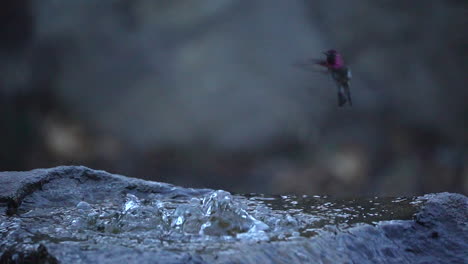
x: 339, y: 62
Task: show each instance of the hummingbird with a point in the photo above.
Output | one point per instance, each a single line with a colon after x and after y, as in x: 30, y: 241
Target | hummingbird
x: 341, y: 75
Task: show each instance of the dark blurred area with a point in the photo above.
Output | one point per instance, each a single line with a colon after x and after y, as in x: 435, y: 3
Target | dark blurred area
x: 205, y: 94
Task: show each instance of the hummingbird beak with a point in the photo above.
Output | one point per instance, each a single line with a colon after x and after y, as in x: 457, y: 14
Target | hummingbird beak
x: 326, y: 53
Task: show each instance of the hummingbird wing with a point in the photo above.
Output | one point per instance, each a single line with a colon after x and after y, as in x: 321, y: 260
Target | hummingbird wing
x: 311, y: 65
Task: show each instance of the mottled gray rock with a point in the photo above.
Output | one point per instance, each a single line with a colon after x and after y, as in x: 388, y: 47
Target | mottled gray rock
x: 79, y: 215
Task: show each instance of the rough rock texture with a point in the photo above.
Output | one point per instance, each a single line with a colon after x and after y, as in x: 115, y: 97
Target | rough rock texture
x: 79, y: 215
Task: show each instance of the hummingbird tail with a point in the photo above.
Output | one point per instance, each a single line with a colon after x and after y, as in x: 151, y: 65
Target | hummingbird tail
x: 348, y: 94
x: 344, y: 95
x: 341, y: 98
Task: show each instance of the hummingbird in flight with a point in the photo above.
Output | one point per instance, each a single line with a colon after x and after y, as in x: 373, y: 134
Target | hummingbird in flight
x: 340, y: 73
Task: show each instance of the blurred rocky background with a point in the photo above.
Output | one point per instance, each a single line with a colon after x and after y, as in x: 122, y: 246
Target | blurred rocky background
x: 204, y: 93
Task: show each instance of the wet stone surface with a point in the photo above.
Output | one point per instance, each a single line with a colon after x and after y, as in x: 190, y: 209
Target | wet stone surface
x: 78, y: 215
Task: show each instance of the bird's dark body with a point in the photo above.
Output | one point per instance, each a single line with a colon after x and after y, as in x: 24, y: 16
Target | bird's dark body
x: 342, y: 76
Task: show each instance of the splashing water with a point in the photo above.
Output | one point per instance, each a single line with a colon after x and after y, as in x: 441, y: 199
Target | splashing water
x: 183, y: 219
